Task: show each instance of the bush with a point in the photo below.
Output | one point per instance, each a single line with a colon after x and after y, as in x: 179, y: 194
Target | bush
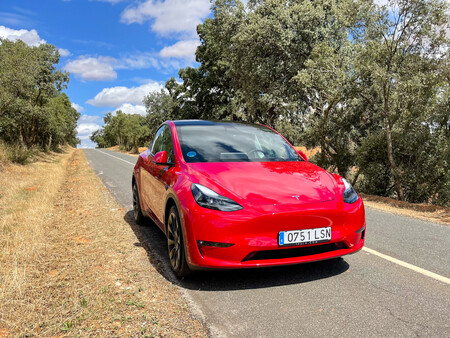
x: 16, y: 153
x: 373, y: 164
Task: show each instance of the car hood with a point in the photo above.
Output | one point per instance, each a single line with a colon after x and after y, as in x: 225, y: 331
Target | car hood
x: 263, y: 183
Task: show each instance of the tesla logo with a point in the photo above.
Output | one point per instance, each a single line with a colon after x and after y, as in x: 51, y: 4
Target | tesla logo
x: 296, y: 197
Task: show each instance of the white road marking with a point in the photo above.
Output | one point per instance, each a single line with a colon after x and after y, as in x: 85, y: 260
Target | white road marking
x: 409, y: 266
x: 116, y: 157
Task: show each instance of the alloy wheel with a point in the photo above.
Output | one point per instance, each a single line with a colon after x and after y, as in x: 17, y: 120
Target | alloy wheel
x: 174, y: 241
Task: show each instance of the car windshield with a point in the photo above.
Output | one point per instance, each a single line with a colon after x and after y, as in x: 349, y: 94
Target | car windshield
x: 233, y: 142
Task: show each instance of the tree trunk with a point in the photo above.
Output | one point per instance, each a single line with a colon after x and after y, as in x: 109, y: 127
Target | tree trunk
x: 394, y: 169
x: 49, y: 145
x: 323, y: 136
x: 271, y: 117
x: 326, y: 113
x: 355, y: 179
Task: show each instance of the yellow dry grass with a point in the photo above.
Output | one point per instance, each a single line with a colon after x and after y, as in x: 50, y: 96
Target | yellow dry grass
x: 26, y: 202
x: 308, y: 152
x: 425, y: 212
x: 68, y: 261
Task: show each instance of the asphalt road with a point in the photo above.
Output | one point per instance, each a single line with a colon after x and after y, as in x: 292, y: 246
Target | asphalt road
x: 399, y: 290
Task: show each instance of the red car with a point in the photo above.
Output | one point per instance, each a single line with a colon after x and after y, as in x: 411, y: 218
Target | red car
x: 237, y: 195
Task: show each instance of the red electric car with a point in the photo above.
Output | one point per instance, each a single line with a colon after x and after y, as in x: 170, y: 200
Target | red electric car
x: 236, y: 195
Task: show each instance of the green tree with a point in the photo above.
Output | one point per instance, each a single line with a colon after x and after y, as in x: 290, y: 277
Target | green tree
x: 60, y: 121
x: 159, y: 107
x: 368, y: 84
x: 17, y: 69
x: 328, y: 84
x: 400, y: 65
x: 33, y: 112
x: 128, y: 131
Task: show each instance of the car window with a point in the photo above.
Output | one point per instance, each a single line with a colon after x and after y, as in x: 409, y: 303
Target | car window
x: 157, y: 141
x: 231, y: 142
x: 163, y: 142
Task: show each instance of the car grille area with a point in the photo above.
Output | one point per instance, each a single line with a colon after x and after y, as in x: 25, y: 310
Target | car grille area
x: 292, y: 252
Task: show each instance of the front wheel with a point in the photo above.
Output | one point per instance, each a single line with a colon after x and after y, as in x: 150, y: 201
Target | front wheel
x: 175, y: 244
x: 137, y: 212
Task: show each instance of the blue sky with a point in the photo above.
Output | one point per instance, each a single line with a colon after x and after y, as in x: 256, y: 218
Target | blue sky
x: 117, y: 51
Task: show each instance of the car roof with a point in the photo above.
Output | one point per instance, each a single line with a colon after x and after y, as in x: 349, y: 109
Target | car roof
x: 207, y: 123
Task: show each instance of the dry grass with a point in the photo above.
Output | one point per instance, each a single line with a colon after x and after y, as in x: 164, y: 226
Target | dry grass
x: 308, y: 152
x: 70, y: 264
x: 422, y: 211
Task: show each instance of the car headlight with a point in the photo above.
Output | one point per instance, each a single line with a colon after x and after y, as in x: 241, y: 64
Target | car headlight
x: 350, y: 195
x: 207, y: 198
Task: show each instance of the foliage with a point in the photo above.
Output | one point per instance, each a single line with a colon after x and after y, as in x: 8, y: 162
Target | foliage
x: 159, y: 106
x: 129, y: 131
x: 368, y: 84
x: 33, y: 111
x: 402, y: 66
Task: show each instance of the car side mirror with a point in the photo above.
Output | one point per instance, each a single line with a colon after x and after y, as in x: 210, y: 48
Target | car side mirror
x: 302, y: 155
x: 160, y: 157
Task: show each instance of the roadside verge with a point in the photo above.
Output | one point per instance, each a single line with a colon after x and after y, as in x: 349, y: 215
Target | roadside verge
x: 70, y: 263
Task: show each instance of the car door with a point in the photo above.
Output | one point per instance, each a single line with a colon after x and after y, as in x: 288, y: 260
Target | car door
x: 145, y: 181
x: 156, y: 178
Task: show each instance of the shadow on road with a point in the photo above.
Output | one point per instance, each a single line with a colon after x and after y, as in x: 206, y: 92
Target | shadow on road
x: 153, y: 240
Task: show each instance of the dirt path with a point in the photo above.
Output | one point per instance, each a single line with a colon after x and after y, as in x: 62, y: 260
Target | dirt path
x: 87, y: 273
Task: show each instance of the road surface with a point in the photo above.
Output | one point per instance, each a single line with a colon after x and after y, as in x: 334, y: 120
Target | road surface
x: 398, y: 286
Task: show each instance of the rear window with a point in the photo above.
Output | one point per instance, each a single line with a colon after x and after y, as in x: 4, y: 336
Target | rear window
x: 231, y: 142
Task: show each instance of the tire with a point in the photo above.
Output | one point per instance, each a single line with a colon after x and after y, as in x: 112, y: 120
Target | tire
x: 137, y: 212
x: 175, y: 244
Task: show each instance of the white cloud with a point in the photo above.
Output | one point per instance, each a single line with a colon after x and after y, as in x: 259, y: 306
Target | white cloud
x: 169, y: 16
x: 30, y: 37
x: 128, y: 108
x: 78, y: 108
x: 103, y: 68
x: 141, y: 60
x: 87, y: 124
x: 92, y: 68
x: 89, y: 118
x: 181, y: 50
x: 85, y: 130
x: 137, y: 61
x: 117, y: 96
x: 64, y: 52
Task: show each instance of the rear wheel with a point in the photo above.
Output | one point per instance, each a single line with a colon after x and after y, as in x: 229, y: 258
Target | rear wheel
x: 137, y: 212
x: 175, y: 244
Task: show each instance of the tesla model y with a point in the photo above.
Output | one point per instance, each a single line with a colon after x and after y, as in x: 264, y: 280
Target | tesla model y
x: 237, y: 195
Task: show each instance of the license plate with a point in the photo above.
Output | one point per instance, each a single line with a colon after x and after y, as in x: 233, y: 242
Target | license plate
x: 303, y: 237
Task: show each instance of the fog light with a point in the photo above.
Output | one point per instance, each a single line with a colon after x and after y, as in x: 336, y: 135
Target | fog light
x: 214, y: 244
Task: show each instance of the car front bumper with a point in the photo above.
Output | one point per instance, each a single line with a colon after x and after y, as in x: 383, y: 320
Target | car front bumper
x: 249, y: 237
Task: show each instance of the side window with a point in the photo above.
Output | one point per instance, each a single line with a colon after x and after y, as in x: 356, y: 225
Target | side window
x: 157, y: 141
x: 163, y: 142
